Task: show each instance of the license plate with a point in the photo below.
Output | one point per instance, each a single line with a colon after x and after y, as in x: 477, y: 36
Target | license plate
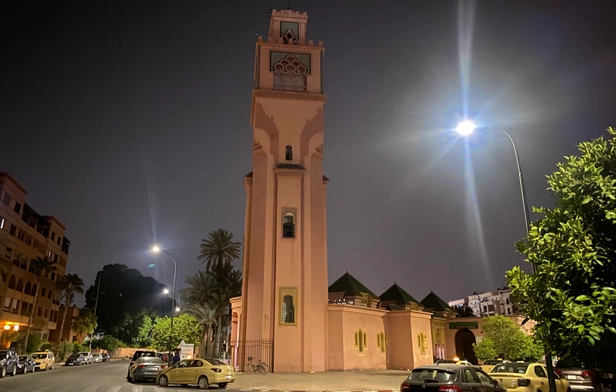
x: 571, y: 377
x: 70, y: 364
x: 155, y: 367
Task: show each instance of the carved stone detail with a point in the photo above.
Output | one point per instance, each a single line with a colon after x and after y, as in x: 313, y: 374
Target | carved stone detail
x: 257, y: 148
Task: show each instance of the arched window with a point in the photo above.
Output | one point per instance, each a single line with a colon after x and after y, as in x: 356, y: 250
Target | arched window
x: 288, y: 153
x: 288, y: 226
x: 33, y: 291
x: 20, y: 286
x: 290, y: 75
x: 288, y: 310
x: 28, y: 288
x: 12, y: 282
x: 360, y: 340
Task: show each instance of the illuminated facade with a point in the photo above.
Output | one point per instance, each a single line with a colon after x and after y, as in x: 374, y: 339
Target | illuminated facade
x: 25, y: 235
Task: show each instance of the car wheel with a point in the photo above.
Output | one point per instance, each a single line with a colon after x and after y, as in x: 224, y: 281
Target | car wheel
x: 14, y: 371
x: 51, y: 368
x: 3, y: 372
x: 163, y: 381
x: 203, y: 382
x: 25, y: 369
x: 223, y: 385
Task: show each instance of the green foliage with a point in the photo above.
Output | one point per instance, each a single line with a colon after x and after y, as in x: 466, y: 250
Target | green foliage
x: 464, y: 311
x: 485, y: 349
x: 219, y: 249
x: 125, y: 297
x: 69, y: 285
x: 185, y: 327
x: 144, y: 334
x: 85, y: 323
x: 34, y: 343
x: 572, y: 295
x: 506, y: 338
x: 79, y: 348
x: 63, y: 350
x: 45, y: 345
x: 108, y: 343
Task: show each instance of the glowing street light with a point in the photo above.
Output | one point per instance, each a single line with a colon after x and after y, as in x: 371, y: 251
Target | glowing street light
x: 465, y: 128
x: 165, y: 291
x: 157, y: 249
x: 177, y: 309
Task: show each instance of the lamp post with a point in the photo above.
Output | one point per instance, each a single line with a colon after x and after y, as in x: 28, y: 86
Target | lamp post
x: 156, y: 249
x: 465, y: 128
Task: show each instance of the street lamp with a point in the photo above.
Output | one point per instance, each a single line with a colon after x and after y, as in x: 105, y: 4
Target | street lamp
x: 465, y: 128
x: 156, y: 249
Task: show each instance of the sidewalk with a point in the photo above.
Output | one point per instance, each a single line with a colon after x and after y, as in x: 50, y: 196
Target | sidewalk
x: 377, y: 380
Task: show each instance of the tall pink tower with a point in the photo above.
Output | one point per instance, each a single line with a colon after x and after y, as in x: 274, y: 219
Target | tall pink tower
x: 284, y: 295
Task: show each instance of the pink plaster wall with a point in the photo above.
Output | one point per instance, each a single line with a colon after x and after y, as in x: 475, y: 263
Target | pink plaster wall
x: 343, y: 321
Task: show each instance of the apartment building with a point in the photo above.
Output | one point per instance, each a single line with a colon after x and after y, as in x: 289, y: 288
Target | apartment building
x: 24, y: 236
x: 489, y: 303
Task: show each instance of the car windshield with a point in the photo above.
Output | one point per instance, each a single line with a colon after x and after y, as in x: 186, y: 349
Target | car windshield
x: 144, y: 354
x: 75, y: 356
x: 438, y: 375
x: 39, y: 356
x: 519, y: 368
x: 150, y: 360
x: 492, y: 362
x: 214, y: 361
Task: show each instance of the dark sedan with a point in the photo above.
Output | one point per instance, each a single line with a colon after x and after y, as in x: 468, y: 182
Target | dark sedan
x: 75, y: 360
x: 145, y: 368
x: 26, y: 364
x: 449, y: 378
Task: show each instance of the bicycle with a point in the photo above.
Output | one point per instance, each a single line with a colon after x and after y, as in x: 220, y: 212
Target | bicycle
x: 259, y: 367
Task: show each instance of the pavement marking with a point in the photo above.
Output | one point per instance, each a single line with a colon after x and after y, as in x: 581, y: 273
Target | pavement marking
x: 114, y: 389
x: 91, y: 388
x: 137, y: 388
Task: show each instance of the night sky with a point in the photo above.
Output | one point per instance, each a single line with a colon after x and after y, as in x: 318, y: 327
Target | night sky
x: 129, y: 122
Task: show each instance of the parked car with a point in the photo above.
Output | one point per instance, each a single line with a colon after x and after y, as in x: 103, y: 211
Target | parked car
x: 87, y: 357
x: 526, y: 377
x: 75, y: 360
x: 105, y: 357
x: 583, y: 378
x: 97, y: 358
x: 138, y: 354
x: 8, y: 362
x: 489, y: 364
x: 200, y: 371
x: 449, y: 378
x: 43, y: 360
x: 26, y: 364
x: 145, y: 368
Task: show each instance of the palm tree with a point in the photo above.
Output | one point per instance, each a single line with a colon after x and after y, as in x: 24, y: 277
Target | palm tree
x: 70, y: 285
x: 40, y: 266
x: 219, y: 249
x: 206, y: 317
x: 85, y: 323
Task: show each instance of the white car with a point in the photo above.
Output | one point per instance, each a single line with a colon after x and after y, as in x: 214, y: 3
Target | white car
x: 87, y: 357
x: 97, y: 358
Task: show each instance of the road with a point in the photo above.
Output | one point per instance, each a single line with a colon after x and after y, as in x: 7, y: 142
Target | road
x: 103, y: 377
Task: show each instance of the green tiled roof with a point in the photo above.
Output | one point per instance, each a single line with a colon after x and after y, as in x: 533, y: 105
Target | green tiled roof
x: 348, y: 285
x: 433, y: 302
x: 397, y: 294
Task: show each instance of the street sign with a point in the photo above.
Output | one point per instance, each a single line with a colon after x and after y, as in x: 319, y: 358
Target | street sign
x: 464, y: 324
x: 186, y: 350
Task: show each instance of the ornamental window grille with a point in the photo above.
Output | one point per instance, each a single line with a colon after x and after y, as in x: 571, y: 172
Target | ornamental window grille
x: 290, y: 75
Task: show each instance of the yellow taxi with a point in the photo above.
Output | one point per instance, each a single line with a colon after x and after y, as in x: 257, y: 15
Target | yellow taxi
x: 489, y: 364
x: 43, y: 360
x: 202, y: 372
x: 526, y: 377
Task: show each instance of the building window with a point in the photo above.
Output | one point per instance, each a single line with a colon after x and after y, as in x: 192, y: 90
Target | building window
x: 288, y: 153
x: 361, y: 340
x: 15, y: 306
x: 12, y: 282
x: 46, y: 312
x: 381, y: 342
x: 39, y: 311
x: 290, y: 75
x: 7, y: 199
x: 28, y: 288
x: 13, y: 230
x: 288, y: 226
x: 7, y: 304
x: 20, y: 286
x: 508, y: 310
x: 288, y: 306
x: 53, y: 236
x: 507, y: 300
x: 33, y: 291
x: 17, y: 207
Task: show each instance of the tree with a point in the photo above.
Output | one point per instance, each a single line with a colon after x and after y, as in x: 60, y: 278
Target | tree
x: 571, y: 295
x: 40, y: 266
x: 108, y: 343
x: 219, y: 249
x: 125, y: 296
x: 506, y: 338
x: 8, y: 337
x: 70, y: 285
x: 144, y: 334
x: 85, y: 323
x: 34, y: 343
x: 464, y: 311
x: 485, y: 349
x: 185, y: 327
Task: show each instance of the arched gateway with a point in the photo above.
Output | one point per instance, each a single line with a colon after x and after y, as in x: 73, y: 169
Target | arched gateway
x: 465, y: 339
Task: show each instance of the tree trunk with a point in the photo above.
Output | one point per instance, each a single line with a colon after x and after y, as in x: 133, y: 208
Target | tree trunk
x: 63, y: 319
x: 36, y: 297
x: 218, y: 334
x: 210, y: 341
